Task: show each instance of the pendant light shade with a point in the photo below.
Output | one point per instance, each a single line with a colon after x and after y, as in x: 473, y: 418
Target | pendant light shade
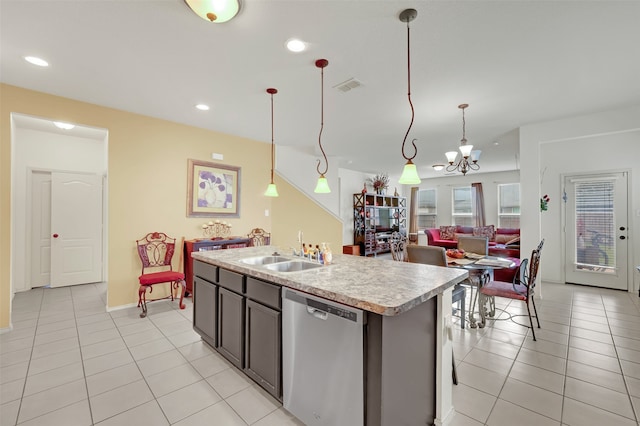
x: 322, y: 187
x: 410, y: 172
x: 272, y: 191
x: 217, y: 11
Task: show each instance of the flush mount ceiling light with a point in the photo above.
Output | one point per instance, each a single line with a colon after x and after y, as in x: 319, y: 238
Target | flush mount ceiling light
x: 438, y: 167
x: 217, y: 11
x: 202, y: 107
x: 295, y: 45
x: 322, y: 186
x: 272, y: 191
x: 463, y: 166
x: 409, y: 173
x: 64, y: 126
x: 36, y: 61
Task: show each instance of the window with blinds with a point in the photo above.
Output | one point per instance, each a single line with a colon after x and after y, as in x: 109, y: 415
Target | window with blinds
x: 462, y: 207
x: 427, y: 210
x: 509, y: 205
x: 595, y: 223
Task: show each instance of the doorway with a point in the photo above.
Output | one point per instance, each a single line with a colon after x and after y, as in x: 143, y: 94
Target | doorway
x: 596, y: 225
x: 38, y: 145
x: 66, y: 221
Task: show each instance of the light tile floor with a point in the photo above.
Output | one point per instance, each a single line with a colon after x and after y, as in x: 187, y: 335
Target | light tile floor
x: 68, y: 362
x: 583, y: 370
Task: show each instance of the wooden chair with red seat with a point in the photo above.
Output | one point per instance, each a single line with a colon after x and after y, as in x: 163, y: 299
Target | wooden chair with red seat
x: 259, y: 237
x: 522, y: 288
x: 156, y: 250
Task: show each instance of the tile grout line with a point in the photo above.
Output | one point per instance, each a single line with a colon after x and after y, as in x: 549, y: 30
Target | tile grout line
x: 566, y: 361
x: 84, y: 371
x: 33, y: 344
x: 624, y: 379
x: 139, y: 370
x: 512, y: 365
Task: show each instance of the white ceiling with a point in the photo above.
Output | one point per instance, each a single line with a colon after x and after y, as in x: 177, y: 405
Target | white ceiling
x: 515, y: 62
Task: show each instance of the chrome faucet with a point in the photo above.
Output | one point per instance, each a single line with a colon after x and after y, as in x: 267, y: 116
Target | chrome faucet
x: 300, y: 242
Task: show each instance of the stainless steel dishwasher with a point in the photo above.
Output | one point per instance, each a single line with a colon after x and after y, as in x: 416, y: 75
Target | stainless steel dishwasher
x: 322, y: 360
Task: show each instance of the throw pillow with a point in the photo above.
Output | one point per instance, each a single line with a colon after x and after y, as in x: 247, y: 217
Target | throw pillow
x: 485, y: 231
x: 457, y: 236
x: 514, y: 241
x: 447, y: 232
x: 465, y: 229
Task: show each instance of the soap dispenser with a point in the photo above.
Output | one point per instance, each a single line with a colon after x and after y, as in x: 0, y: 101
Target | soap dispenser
x: 328, y: 256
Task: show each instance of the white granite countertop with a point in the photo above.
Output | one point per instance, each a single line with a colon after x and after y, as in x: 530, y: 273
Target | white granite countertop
x: 380, y: 286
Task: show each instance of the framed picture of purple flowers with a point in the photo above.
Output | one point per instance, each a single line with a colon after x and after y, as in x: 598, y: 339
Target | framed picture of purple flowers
x: 213, y: 189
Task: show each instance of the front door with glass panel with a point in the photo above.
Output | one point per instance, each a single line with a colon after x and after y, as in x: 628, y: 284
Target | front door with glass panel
x: 596, y: 230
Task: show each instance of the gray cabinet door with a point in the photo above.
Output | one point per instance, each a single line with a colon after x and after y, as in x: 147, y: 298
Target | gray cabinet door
x: 231, y: 326
x: 205, y: 301
x: 263, y: 347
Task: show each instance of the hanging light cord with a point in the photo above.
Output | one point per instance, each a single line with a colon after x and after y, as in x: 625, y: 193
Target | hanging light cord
x: 272, y: 144
x: 322, y: 123
x: 464, y: 138
x: 410, y: 103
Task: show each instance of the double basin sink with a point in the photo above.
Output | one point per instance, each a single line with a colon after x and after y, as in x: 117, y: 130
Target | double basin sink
x: 280, y: 263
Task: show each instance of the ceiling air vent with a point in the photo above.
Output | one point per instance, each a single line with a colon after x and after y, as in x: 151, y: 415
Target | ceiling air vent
x: 345, y: 86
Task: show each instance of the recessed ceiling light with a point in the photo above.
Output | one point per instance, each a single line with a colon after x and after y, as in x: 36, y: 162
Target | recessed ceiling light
x: 295, y: 45
x: 203, y: 107
x: 64, y: 126
x: 36, y: 61
x: 496, y: 143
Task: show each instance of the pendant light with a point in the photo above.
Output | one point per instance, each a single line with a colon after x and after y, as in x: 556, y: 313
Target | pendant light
x: 410, y: 172
x: 272, y: 191
x: 322, y: 187
x: 217, y: 11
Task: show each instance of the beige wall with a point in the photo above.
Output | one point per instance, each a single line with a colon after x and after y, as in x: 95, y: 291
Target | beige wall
x: 294, y: 211
x: 147, y: 184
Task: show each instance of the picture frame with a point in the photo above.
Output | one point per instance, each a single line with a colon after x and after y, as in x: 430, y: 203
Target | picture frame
x: 212, y: 189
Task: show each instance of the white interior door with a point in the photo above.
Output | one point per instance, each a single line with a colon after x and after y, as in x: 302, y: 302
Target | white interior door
x: 40, y: 229
x: 76, y: 229
x: 597, y: 230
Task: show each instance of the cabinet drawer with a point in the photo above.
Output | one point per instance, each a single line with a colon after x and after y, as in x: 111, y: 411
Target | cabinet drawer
x: 265, y: 293
x: 206, y: 271
x: 231, y: 280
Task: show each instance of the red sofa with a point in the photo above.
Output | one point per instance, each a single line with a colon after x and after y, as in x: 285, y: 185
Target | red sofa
x: 498, y: 239
x: 497, y: 244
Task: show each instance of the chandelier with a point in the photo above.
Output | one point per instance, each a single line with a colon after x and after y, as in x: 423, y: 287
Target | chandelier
x: 469, y: 159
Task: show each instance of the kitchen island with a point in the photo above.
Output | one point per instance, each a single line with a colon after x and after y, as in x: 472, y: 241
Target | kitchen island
x: 406, y: 349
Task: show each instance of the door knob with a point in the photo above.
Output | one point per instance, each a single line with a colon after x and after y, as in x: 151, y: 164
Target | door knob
x: 622, y: 228
x: 622, y: 237
x: 55, y: 235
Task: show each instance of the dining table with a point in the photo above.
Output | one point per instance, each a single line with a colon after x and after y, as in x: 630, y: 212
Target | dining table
x: 481, y: 268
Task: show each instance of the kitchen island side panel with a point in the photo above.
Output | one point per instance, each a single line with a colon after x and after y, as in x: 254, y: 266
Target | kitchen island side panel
x: 401, y: 367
